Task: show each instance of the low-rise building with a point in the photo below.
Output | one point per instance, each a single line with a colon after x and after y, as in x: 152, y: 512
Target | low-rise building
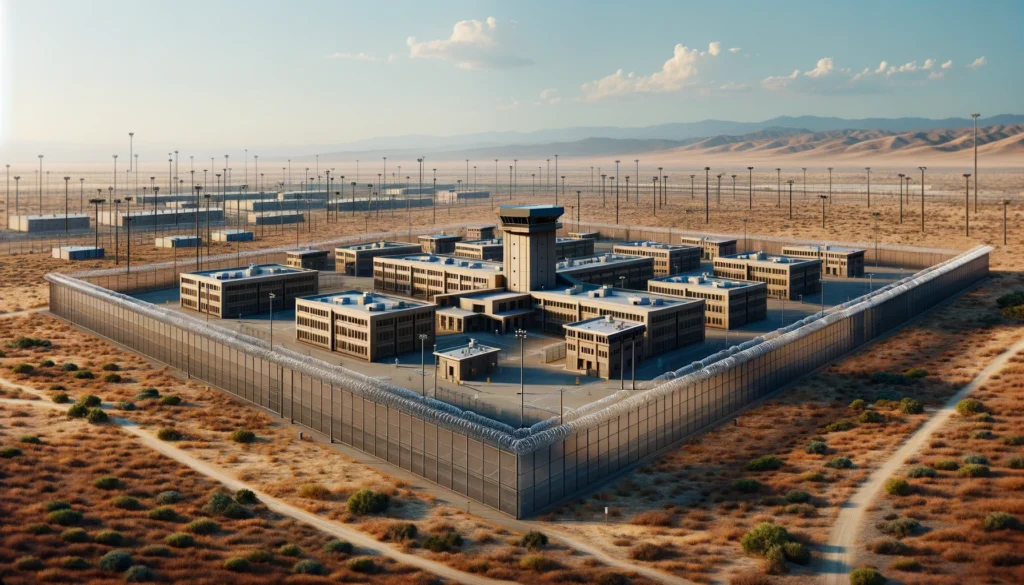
x: 232, y: 236
x: 472, y: 361
x: 178, y: 242
x: 426, y: 275
x: 453, y: 197
x: 670, y: 322
x: 75, y: 253
x: 729, y: 303
x: 710, y: 246
x: 357, y: 259
x: 275, y: 217
x: 835, y: 260
x: 145, y: 218
x: 491, y: 249
x: 308, y: 258
x: 480, y: 231
x: 235, y: 292
x: 48, y: 222
x: 362, y: 325
x: 607, y: 269
x: 668, y: 258
x: 603, y: 347
x: 573, y: 247
x: 499, y: 311
x: 584, y: 235
x: 439, y: 243
x: 786, y: 277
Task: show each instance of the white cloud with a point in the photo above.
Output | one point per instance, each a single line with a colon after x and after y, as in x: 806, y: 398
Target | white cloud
x: 733, y: 86
x: 978, y: 63
x: 779, y: 82
x: 714, y: 48
x: 675, y: 74
x: 823, y: 68
x: 360, y: 56
x: 882, y: 67
x: 548, y: 95
x: 936, y: 75
x: 472, y: 45
x: 947, y: 64
x: 928, y: 64
x: 735, y: 50
x: 905, y: 68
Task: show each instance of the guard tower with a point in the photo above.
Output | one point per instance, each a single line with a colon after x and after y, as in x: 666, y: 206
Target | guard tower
x: 529, y: 246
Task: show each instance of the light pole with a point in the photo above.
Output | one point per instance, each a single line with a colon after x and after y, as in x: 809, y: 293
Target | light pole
x: 718, y: 190
x: 128, y: 224
x: 830, y: 185
x: 868, y: 171
x: 97, y: 202
x: 734, y: 187
x: 874, y: 216
x: 901, y: 175
x: 423, y: 364
x: 272, y: 297
x: 922, y: 197
x: 637, y: 161
x: 603, y: 178
x: 654, y: 196
x: 707, y: 195
x: 66, y: 179
x: 17, y: 192
x: 616, y: 192
x: 975, y: 116
x: 804, y: 169
x: 563, y: 190
x: 778, y: 181
x: 967, y: 204
x: 750, y: 187
x: 199, y: 248
x: 790, y: 183
x: 691, y: 185
x: 823, y: 199
x: 521, y: 336
x: 662, y: 194
x: 1005, y: 203
x: 41, y: 184
x: 131, y: 149
x: 745, y: 220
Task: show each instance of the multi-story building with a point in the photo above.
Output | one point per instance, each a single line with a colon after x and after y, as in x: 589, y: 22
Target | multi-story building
x: 603, y: 347
x: 786, y: 277
x: 711, y: 247
x: 573, y: 247
x: 362, y: 325
x: 439, y: 243
x: 835, y: 260
x: 670, y: 322
x: 480, y: 231
x: 729, y: 303
x: 528, y: 234
x: 467, y: 362
x: 491, y: 249
x: 235, y: 292
x: 490, y: 310
x: 668, y: 258
x: 608, y: 269
x: 357, y: 259
x: 426, y: 275
x: 308, y: 258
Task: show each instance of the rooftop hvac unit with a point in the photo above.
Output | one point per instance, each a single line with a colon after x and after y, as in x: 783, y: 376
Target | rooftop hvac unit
x: 221, y: 276
x: 475, y: 265
x: 639, y: 300
x: 659, y: 302
x: 449, y: 261
x: 343, y: 300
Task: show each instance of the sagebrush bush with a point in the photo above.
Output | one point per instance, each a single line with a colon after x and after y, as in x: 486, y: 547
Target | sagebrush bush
x: 976, y: 459
x: 840, y: 463
x: 796, y: 552
x: 112, y: 378
x: 111, y: 368
x: 866, y: 576
x: 56, y: 505
x: 533, y: 540
x: 147, y: 393
x: 1015, y: 462
x: 897, y: 486
x: 314, y: 491
x: 74, y: 535
x: 170, y: 400
x: 246, y: 497
x: 74, y: 563
x: 116, y: 560
x: 911, y: 406
x: 90, y: 401
x: 61, y: 398
x: 290, y: 550
x: 973, y: 470
x: 69, y: 367
x: 762, y: 536
x: 919, y: 471
x: 746, y: 485
x: 24, y: 369
x: 870, y: 417
x: 221, y: 504
x: 97, y: 416
x: 109, y: 538
x: 443, y: 542
x: 10, y: 452
x: 338, y: 547
x: 163, y: 514
x: 368, y: 502
x: 107, y: 482
x: 125, y: 405
x: 1001, y: 521
x: 361, y: 565
x: 78, y: 411
x: 180, y: 540
x: 858, y: 404
x: 764, y: 463
x: 946, y: 465
x: 29, y: 343
x: 202, y: 526
x: 243, y: 436
x: 237, y: 565
x: 814, y: 476
x: 774, y: 560
x: 982, y: 434
x: 308, y: 567
x: 46, y: 364
x: 139, y: 574
x: 400, y: 531
x: 29, y: 563
x: 168, y: 434
x: 816, y: 447
x: 126, y: 503
x: 39, y: 529
x: 906, y: 565
x: 1013, y: 440
x: 916, y: 373
x: 797, y: 497
x: 156, y: 550
x: 259, y: 556
x: 168, y: 497
x: 839, y: 426
x: 84, y: 375
x: 537, y: 563
x: 969, y: 407
x: 29, y: 439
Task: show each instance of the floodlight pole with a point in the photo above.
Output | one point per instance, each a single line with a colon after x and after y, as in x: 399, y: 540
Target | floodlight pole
x: 423, y: 365
x: 875, y: 215
x: 922, y: 197
x: 707, y: 195
x: 198, y: 247
x: 823, y: 199
x: 521, y: 335
x: 901, y: 175
x: 778, y: 180
x: 790, y: 182
x: 616, y: 192
x: 967, y: 204
x: 272, y: 297
x: 96, y: 202
x: 66, y: 179
x: 1005, y: 203
x: 750, y: 187
x: 975, y: 116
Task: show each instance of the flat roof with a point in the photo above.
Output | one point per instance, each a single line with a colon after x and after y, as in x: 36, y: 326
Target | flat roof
x: 172, y: 211
x: 365, y: 302
x: 571, y: 264
x: 381, y: 245
x: 654, y: 245
x: 537, y: 210
x: 826, y: 248
x: 78, y: 248
x: 440, y: 237
x: 707, y: 280
x: 249, y: 272
x: 606, y: 325
x: 487, y: 242
x: 762, y: 258
x: 51, y: 216
x: 614, y: 297
x: 448, y: 262
x: 472, y: 349
x: 231, y: 232
x: 307, y: 252
x: 273, y: 213
x: 456, y: 312
x: 712, y: 239
x: 496, y: 296
x: 481, y: 225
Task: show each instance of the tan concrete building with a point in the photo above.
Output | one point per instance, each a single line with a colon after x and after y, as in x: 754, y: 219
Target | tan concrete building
x: 573, y: 247
x: 786, y: 277
x: 835, y: 260
x: 668, y: 258
x: 529, y: 237
x: 439, y: 243
x: 603, y: 347
x: 357, y: 259
x: 480, y: 231
x: 426, y: 275
x: 491, y: 310
x: 584, y: 235
x: 710, y: 246
x: 670, y: 322
x: 308, y: 258
x: 608, y: 270
x: 729, y: 303
x: 234, y: 292
x: 364, y: 325
x: 492, y: 249
x: 473, y: 361
x: 454, y: 197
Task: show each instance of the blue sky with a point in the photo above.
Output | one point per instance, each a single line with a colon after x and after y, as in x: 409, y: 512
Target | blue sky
x: 308, y: 72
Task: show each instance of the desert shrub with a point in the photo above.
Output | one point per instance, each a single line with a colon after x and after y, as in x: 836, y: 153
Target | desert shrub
x: 147, y: 393
x: 774, y: 560
x: 651, y: 518
x: 308, y: 567
x: 338, y: 547
x: 534, y: 540
x: 814, y: 476
x: 46, y: 364
x: 78, y: 411
x: 797, y: 553
x: 246, y: 497
x: 984, y: 417
x: 746, y: 485
x: 361, y: 565
x: 400, y: 531
x: 29, y: 343
x: 647, y: 551
x: 163, y: 514
x: 1015, y: 462
x: 290, y: 550
x: 74, y: 535
x: 888, y: 378
x: 125, y: 405
x: 368, y: 502
x: 802, y: 510
x: 259, y: 556
x: 897, y: 486
x: 919, y: 471
x: 39, y: 529
x: 916, y: 373
x: 126, y: 503
x: 170, y: 400
x: 10, y: 452
x: 839, y: 426
x: 168, y: 434
x: 107, y: 482
x: 56, y: 505
x: 969, y: 407
x: 29, y: 563
x: 866, y: 576
x: 764, y: 463
x: 61, y: 398
x: 443, y: 542
x: 74, y: 563
x: 797, y: 497
x: 156, y: 550
x: 139, y: 574
x: 1013, y: 440
x: 537, y: 563
x: 816, y: 447
x: 112, y: 378
x: 96, y: 416
x: 946, y: 465
x: 976, y: 459
x: 89, y: 401
x: 887, y: 545
x: 116, y: 560
x: 1011, y: 299
x: 57, y: 387
x: 762, y: 536
x: 899, y: 527
x: 202, y: 526
x: 870, y: 417
x: 839, y: 463
x: 168, y: 497
x: 84, y: 375
x: 906, y: 565
x: 911, y: 406
x: 237, y: 565
x: 29, y: 439
x: 180, y: 540
x: 973, y: 470
x: 243, y: 436
x: 982, y: 434
x: 111, y: 368
x: 1001, y: 521
x: 612, y: 579
x: 64, y: 517
x: 314, y: 491
x: 25, y: 369
x: 69, y: 367
x: 221, y: 504
x: 109, y: 538
x: 885, y: 402
x: 858, y: 404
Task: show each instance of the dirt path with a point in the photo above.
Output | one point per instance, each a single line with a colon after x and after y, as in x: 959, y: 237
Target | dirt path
x: 840, y: 550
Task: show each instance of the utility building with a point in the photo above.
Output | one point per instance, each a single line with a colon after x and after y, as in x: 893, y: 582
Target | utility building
x: 439, y: 243
x: 468, y: 362
x: 48, y: 223
x: 835, y: 260
x: 729, y: 303
x: 603, y: 347
x: 786, y: 277
x: 711, y: 247
x: 480, y: 231
x: 357, y: 259
x: 236, y: 292
x: 308, y: 258
x: 668, y: 258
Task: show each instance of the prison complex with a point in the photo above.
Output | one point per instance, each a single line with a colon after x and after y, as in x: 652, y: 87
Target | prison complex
x: 357, y: 259
x: 603, y: 347
x: 668, y: 258
x: 243, y: 291
x: 730, y: 303
x: 786, y: 277
x: 835, y: 260
x: 426, y: 275
x: 711, y: 247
